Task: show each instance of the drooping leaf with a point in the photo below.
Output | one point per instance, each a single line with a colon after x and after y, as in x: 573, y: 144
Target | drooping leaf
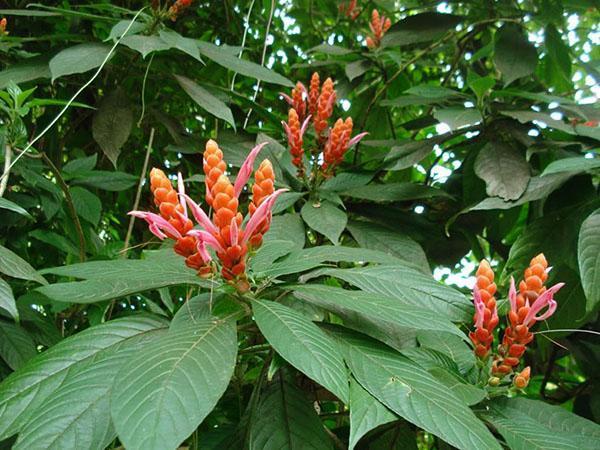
x: 450, y: 345
x: 366, y: 413
x: 304, y: 345
x: 384, y: 318
x: 377, y: 237
x: 414, y: 394
x: 206, y: 100
x: 514, y: 56
x: 409, y: 286
x: 242, y: 66
x: 12, y: 206
x: 103, y: 179
x: 186, y: 45
x: 285, y: 419
x: 287, y: 227
x: 80, y: 165
x: 77, y: 414
x: 14, y: 266
x: 346, y: 180
x: 325, y: 218
x: 27, y: 389
x: 7, y: 300
x: 78, y: 59
x: 24, y: 71
x: 112, y: 124
x: 575, y: 165
x: 409, y: 153
x: 268, y: 253
x: 504, y: 170
x: 16, y: 346
x: 534, y: 425
x: 588, y: 253
x: 457, y: 118
x: 119, y: 29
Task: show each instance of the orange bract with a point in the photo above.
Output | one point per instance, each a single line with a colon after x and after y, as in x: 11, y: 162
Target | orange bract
x: 264, y: 185
x: 324, y: 106
x: 337, y: 144
x: 486, y: 316
x: 214, y: 167
x: 313, y: 94
x: 379, y: 26
x: 295, y: 139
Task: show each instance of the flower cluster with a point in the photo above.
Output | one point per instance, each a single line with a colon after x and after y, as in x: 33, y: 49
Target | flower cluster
x: 223, y: 234
x: 379, y: 26
x: 526, y: 308
x: 3, y: 23
x: 317, y: 105
x: 177, y: 8
x: 349, y: 9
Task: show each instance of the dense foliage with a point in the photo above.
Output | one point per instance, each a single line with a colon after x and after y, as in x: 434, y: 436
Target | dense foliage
x: 352, y: 170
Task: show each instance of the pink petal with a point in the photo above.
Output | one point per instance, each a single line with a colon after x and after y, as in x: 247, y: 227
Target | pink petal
x: 546, y: 299
x: 200, y: 216
x: 288, y: 131
x: 479, y: 308
x: 287, y: 98
x: 263, y: 211
x: 208, y: 238
x: 512, y: 295
x: 246, y: 169
x: 181, y: 189
x: 201, y: 246
x: 356, y: 139
x: 305, y: 125
x: 233, y: 231
x: 156, y: 224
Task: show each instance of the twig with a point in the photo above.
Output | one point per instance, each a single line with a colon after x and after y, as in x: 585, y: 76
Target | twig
x: 144, y: 91
x: 7, y: 166
x: 262, y: 60
x: 246, y: 28
x: 138, y: 194
x: 79, y: 91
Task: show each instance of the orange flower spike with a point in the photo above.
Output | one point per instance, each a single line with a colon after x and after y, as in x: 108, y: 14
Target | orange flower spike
x: 379, y: 26
x: 325, y: 106
x: 313, y: 94
x: 486, y: 314
x: 3, y: 26
x: 167, y: 200
x: 295, y: 132
x: 214, y: 167
x: 299, y: 100
x: 264, y: 185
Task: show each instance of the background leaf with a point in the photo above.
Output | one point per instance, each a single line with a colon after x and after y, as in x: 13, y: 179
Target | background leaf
x: 206, y: 100
x: 112, y: 124
x: 588, y: 251
x: 78, y: 59
x: 325, y: 218
x: 504, y: 170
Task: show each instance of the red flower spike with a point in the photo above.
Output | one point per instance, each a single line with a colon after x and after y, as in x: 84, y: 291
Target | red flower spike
x: 263, y: 187
x: 313, y: 94
x: 486, y: 313
x: 298, y: 100
x: 213, y: 166
x: 379, y: 26
x: 324, y: 106
x: 295, y: 133
x: 525, y: 305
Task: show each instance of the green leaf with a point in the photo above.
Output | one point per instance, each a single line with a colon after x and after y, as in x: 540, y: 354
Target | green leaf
x: 287, y: 227
x: 56, y: 240
x: 575, y: 164
x: 414, y: 394
x: 558, y: 64
x: 119, y: 29
x: 588, y: 254
x: 145, y: 44
x: 285, y: 200
x: 329, y: 49
x: 27, y: 13
x: 162, y: 394
x: 108, y: 181
x: 357, y: 68
x: 458, y: 117
x: 346, y: 180
x: 395, y: 192
x: 78, y: 59
x: 11, y: 206
x: 235, y: 64
x: 504, y: 170
x: 82, y: 402
x: 26, y: 390
x: 481, y: 86
x: 534, y: 425
x: 268, y: 253
x: 451, y: 345
x: 304, y: 345
x: 87, y: 205
x: 285, y: 419
x: 16, y: 346
x: 112, y: 124
x: 374, y: 314
x: 14, y: 266
x: 86, y: 164
x: 514, y: 56
x: 418, y: 28
x: 105, y: 280
x: 7, y: 300
x: 366, y: 413
x: 206, y: 100
x: 377, y: 237
x: 186, y: 45
x: 538, y: 188
x: 308, y: 258
x: 27, y: 70
x: 409, y: 286
x: 325, y: 218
